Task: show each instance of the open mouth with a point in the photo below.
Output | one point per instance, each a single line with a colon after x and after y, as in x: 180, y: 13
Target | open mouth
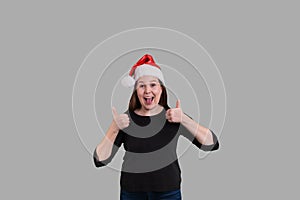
x: 148, y: 100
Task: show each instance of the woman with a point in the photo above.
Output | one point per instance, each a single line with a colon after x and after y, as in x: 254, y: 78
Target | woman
x: 149, y: 131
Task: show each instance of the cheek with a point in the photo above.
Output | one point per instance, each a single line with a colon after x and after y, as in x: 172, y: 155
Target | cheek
x: 158, y: 95
x: 139, y: 93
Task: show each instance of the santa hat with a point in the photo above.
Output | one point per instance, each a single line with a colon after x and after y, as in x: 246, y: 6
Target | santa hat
x: 145, y: 66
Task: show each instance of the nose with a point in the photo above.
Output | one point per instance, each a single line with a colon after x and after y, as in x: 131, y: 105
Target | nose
x: 147, y: 89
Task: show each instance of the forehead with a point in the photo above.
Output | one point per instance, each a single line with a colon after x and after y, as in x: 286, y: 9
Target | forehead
x: 147, y: 79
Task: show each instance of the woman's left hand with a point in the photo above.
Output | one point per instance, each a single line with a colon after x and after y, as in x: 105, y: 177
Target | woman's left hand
x: 175, y: 114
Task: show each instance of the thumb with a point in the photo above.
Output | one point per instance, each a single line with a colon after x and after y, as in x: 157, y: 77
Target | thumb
x: 114, y: 112
x: 178, y: 103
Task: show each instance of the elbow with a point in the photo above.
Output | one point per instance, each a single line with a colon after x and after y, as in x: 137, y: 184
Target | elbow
x: 215, y: 146
x: 212, y: 147
x: 99, y: 163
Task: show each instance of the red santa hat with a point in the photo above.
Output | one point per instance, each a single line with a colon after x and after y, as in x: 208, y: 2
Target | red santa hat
x: 145, y: 66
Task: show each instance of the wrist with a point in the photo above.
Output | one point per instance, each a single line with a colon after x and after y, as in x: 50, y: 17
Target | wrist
x: 114, y: 127
x: 184, y: 119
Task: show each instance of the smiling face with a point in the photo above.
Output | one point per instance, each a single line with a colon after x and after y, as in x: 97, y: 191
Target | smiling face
x: 148, y: 91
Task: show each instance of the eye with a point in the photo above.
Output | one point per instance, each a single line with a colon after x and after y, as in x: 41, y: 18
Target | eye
x: 141, y: 86
x: 153, y: 84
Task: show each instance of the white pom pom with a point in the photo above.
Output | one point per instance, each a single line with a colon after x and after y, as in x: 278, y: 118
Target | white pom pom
x: 128, y: 81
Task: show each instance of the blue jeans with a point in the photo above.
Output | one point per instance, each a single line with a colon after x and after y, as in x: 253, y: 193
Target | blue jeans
x: 171, y: 195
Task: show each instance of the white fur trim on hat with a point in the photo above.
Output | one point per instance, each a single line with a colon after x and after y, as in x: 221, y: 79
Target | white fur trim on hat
x: 148, y: 70
x: 143, y: 70
x: 128, y: 81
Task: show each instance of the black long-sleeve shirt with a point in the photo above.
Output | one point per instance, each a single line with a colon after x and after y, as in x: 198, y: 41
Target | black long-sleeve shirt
x: 150, y: 162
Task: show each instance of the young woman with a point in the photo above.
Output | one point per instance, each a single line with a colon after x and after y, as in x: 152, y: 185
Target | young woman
x: 149, y: 131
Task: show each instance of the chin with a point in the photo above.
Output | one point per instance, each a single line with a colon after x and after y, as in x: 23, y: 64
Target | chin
x: 149, y: 107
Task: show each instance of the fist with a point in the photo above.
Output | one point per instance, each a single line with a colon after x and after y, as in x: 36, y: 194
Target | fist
x: 175, y: 114
x: 122, y: 120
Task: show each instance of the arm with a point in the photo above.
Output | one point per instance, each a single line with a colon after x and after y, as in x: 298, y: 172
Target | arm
x: 202, y: 134
x: 109, y: 146
x: 113, y: 139
x: 103, y: 150
x: 204, y: 138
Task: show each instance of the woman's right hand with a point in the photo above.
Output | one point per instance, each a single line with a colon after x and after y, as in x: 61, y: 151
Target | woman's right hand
x: 121, y: 120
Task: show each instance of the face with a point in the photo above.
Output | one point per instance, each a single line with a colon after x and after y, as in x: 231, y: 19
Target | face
x: 148, y: 91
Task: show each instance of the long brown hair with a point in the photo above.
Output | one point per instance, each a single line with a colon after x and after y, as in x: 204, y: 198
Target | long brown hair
x: 135, y: 103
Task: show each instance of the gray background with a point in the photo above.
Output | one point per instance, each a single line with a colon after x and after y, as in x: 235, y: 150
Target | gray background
x: 254, y: 43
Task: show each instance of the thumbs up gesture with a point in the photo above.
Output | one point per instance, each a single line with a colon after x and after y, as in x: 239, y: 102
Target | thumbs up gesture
x: 175, y: 114
x: 122, y: 120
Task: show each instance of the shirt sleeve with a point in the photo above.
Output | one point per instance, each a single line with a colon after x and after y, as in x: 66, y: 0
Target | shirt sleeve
x: 117, y: 143
x: 187, y: 134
